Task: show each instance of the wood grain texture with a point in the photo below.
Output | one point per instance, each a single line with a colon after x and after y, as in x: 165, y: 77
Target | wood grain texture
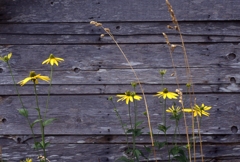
x: 126, y: 76
x: 91, y: 114
x: 109, y: 89
x: 197, y: 28
x: 108, y: 152
x: 95, y: 57
x: 79, y: 39
x: 85, y: 11
x: 87, y: 128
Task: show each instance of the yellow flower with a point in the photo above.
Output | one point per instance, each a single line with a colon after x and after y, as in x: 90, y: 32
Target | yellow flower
x: 162, y: 72
x: 166, y: 94
x: 53, y: 60
x: 174, y: 111
x: 6, y: 58
x: 129, y: 96
x: 28, y: 160
x: 34, y: 77
x: 199, y: 110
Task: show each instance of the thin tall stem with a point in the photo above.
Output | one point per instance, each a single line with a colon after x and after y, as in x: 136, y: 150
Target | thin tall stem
x: 49, y: 90
x: 15, y: 85
x: 41, y: 123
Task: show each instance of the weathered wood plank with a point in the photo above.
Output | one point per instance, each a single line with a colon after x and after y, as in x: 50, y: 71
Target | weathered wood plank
x: 217, y: 139
x: 111, y: 89
x: 84, y: 11
x: 94, y: 57
x: 212, y: 28
x: 79, y: 39
x: 91, y: 114
x: 125, y: 76
x: 107, y: 152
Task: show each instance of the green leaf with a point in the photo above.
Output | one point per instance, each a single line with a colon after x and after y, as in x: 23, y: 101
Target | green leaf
x: 159, y: 145
x: 47, y: 144
x: 23, y: 112
x: 37, y: 120
x: 49, y: 121
x: 163, y: 128
x: 37, y: 145
x: 148, y: 149
x: 175, y: 150
x: 138, y: 123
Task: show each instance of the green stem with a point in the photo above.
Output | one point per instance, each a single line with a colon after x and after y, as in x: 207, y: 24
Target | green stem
x: 135, y: 127
x: 120, y: 119
x: 130, y: 119
x: 165, y: 134
x: 15, y: 85
x: 49, y: 90
x: 41, y: 122
x: 175, y: 133
x: 164, y: 112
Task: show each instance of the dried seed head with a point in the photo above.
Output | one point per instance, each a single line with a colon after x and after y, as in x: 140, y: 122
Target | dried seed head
x: 169, y: 27
x: 166, y: 38
x: 176, y: 28
x: 98, y: 24
x: 107, y: 29
x: 102, y: 35
x: 93, y: 22
x: 173, y: 46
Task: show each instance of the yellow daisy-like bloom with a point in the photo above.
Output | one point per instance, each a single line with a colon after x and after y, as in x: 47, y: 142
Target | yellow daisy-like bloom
x: 6, y: 58
x: 199, y: 110
x: 52, y: 60
x: 34, y: 77
x: 166, y: 94
x: 129, y: 96
x: 174, y: 111
x: 28, y: 160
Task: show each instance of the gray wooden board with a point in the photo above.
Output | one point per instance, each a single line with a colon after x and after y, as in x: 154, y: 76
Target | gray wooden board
x: 114, y: 10
x: 93, y: 114
x: 217, y: 139
x: 126, y: 76
x: 79, y: 39
x: 210, y: 28
x: 112, y: 89
x: 94, y: 57
x: 108, y: 152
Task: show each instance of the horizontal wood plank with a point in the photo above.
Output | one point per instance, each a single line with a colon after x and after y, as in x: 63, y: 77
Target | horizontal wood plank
x: 113, y: 89
x: 81, y: 40
x: 94, y: 57
x: 210, y: 28
x: 126, y: 76
x: 206, y: 139
x: 91, y: 114
x: 109, y: 152
x: 84, y: 11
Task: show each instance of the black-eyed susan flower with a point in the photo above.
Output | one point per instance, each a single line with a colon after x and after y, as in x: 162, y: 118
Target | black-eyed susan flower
x: 173, y: 110
x: 52, y: 60
x: 129, y: 96
x: 34, y: 77
x: 6, y: 58
x: 199, y: 110
x: 166, y: 94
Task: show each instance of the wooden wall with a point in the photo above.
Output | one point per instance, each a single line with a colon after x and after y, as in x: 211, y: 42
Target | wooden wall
x: 87, y: 128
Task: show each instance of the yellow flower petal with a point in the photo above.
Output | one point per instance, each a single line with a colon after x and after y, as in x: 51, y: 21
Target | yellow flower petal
x: 24, y: 81
x: 52, y: 60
